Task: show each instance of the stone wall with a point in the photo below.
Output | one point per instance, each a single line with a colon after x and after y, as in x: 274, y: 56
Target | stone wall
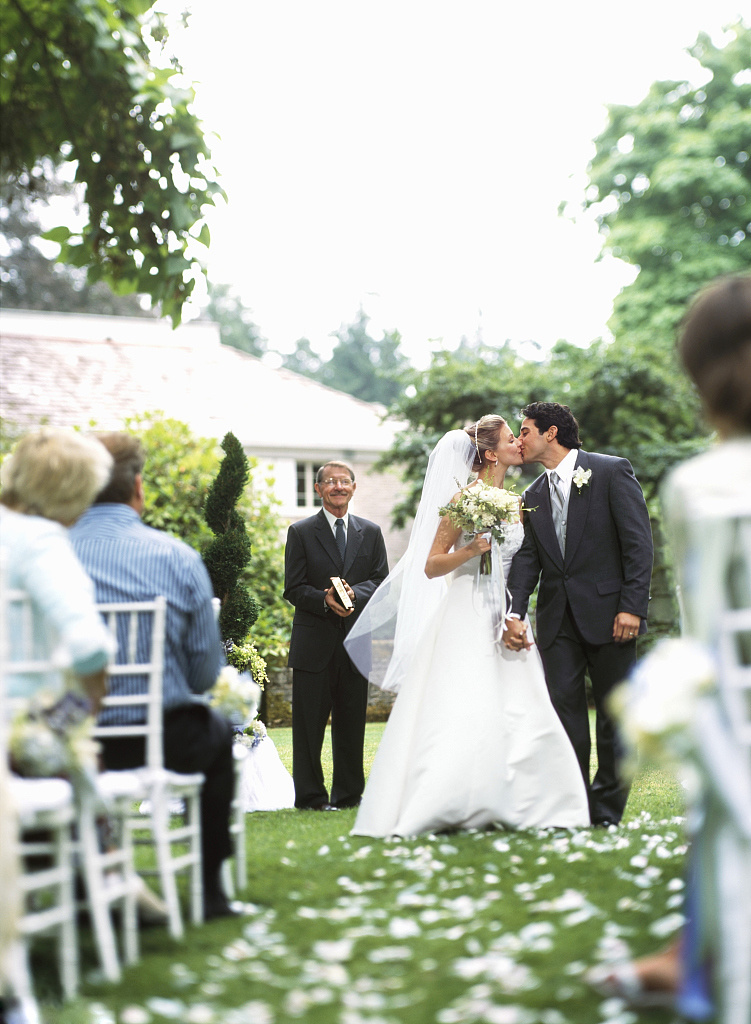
x: 276, y: 710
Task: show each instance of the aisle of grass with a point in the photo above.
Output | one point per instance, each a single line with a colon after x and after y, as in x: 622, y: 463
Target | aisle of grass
x: 470, y: 927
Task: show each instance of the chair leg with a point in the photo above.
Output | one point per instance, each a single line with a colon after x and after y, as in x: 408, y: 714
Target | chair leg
x: 160, y: 832
x: 98, y: 900
x: 193, y: 813
x: 130, y: 916
x: 18, y: 973
x: 69, y: 966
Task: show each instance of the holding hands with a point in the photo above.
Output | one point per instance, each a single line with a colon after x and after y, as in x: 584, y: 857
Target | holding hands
x: 515, y: 636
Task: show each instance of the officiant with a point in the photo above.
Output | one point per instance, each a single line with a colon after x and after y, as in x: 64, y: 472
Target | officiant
x: 331, y: 544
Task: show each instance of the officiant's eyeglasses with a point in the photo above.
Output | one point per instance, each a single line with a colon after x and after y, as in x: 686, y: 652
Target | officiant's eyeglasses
x: 331, y: 482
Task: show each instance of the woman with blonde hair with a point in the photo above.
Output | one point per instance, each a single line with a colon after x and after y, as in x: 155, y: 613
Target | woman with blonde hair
x: 50, y: 478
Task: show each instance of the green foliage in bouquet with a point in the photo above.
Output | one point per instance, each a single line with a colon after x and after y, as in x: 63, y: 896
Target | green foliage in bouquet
x: 230, y: 551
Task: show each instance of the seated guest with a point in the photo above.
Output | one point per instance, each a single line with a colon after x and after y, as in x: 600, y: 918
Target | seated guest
x: 51, y: 477
x: 129, y: 561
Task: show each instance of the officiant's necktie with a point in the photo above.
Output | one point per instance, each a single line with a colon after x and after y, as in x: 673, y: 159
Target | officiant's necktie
x: 559, y: 520
x: 341, y: 538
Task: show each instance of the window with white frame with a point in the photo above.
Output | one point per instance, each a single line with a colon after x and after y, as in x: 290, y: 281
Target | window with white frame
x: 307, y: 497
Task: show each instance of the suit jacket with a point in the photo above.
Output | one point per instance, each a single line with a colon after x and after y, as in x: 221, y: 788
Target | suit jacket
x: 311, y: 558
x: 608, y: 563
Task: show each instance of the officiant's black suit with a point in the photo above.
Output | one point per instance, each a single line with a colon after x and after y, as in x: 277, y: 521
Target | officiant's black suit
x: 606, y: 570
x: 324, y: 679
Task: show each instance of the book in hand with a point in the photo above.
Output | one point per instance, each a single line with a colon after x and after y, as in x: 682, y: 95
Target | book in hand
x: 340, y: 593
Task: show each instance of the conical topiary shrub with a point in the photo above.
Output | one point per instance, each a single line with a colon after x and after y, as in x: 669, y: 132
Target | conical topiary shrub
x: 227, y: 555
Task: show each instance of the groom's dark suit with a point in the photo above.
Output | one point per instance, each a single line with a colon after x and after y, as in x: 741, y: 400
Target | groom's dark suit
x: 324, y: 679
x: 606, y: 570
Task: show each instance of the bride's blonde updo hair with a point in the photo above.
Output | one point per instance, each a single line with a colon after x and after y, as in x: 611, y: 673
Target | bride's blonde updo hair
x: 484, y: 436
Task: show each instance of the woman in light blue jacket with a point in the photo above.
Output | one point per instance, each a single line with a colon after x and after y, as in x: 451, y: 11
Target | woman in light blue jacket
x: 51, y: 477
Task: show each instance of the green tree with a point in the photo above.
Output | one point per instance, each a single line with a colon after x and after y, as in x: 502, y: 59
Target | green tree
x: 303, y: 360
x: 91, y: 82
x: 671, y: 183
x: 236, y: 328
x: 457, y: 388
x: 30, y: 280
x: 229, y: 552
x: 180, y: 469
x: 368, y: 368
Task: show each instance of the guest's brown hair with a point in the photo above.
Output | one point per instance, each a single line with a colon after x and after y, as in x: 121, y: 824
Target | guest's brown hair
x: 715, y: 348
x: 128, y: 457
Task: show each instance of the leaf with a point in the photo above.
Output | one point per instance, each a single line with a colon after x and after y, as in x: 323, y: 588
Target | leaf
x: 59, y: 234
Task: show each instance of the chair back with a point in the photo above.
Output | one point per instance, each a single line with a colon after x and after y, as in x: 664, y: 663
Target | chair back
x: 734, y: 639
x: 133, y: 705
x: 20, y: 662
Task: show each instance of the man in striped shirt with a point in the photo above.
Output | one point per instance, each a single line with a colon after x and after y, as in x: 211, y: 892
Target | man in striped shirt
x: 129, y: 561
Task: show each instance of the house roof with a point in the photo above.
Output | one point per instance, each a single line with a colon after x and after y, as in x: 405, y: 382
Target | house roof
x: 75, y: 369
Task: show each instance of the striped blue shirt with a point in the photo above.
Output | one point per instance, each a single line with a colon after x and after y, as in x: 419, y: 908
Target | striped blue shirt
x: 129, y: 561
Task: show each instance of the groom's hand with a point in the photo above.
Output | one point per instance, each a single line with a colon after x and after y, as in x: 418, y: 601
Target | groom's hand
x: 625, y: 627
x: 515, y: 636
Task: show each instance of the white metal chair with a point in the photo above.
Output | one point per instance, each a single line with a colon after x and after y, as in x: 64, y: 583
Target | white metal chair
x: 109, y: 876
x: 41, y: 831
x: 135, y: 682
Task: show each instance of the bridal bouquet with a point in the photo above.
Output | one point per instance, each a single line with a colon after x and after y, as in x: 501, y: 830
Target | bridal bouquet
x: 52, y: 736
x: 236, y: 696
x: 484, y: 509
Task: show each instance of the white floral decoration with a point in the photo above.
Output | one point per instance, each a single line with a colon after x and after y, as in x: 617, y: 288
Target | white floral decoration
x: 581, y: 477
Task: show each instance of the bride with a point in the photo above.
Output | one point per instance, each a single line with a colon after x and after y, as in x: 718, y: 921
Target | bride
x: 472, y: 739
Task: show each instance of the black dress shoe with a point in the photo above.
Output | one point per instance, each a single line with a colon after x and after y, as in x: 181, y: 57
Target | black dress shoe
x: 324, y: 807
x: 215, y: 904
x: 348, y: 803
x: 604, y: 823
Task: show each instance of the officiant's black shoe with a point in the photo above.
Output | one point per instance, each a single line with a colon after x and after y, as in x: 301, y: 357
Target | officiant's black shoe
x: 604, y: 823
x: 324, y: 807
x: 216, y: 904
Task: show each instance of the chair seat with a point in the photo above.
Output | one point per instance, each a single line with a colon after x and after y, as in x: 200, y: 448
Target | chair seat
x: 35, y: 797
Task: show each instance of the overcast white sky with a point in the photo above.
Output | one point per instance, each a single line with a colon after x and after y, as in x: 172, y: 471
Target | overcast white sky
x: 409, y: 156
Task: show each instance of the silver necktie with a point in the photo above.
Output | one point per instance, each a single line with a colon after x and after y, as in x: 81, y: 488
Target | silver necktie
x: 559, y: 521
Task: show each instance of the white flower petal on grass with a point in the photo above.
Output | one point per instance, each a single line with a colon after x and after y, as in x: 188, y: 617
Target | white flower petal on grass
x: 403, y: 928
x: 254, y: 1012
x: 324, y: 851
x: 338, y: 950
x: 240, y: 949
x: 388, y: 953
x: 509, y: 975
x: 133, y: 1015
x: 675, y: 884
x: 667, y: 925
x: 172, y: 1009
x: 202, y: 1013
x: 575, y: 967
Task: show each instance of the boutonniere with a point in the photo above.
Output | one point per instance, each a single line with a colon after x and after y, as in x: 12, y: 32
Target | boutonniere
x: 581, y: 478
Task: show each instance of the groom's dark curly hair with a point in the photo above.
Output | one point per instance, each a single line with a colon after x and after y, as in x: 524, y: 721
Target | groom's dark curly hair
x: 551, y: 414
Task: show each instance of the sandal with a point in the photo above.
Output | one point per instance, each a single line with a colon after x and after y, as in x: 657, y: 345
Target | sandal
x: 621, y: 981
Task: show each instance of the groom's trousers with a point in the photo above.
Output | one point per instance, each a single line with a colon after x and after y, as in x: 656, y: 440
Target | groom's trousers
x: 567, y: 661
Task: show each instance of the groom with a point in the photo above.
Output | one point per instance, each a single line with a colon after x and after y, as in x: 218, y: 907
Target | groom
x: 588, y: 534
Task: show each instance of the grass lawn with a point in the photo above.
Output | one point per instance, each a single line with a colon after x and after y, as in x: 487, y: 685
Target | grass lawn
x: 492, y: 927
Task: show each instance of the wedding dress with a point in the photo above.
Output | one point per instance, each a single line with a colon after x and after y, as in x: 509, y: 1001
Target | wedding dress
x: 472, y: 739
x: 264, y: 783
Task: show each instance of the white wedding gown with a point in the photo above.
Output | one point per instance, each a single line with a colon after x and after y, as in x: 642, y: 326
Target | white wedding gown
x: 472, y: 739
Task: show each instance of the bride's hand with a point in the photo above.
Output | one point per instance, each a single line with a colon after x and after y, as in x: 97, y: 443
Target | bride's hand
x: 479, y: 545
